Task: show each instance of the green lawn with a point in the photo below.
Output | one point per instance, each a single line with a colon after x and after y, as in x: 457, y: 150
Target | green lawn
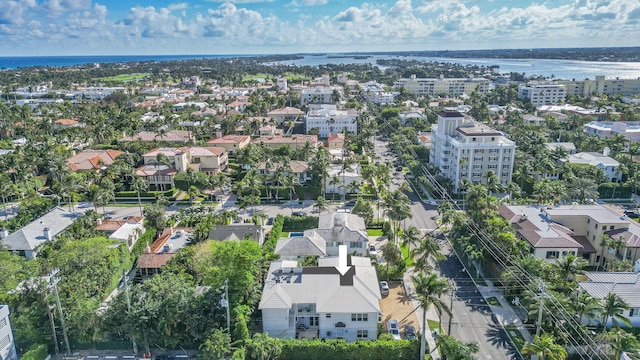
x: 406, y: 255
x: 433, y: 324
x: 125, y: 77
x: 374, y: 232
x: 493, y: 301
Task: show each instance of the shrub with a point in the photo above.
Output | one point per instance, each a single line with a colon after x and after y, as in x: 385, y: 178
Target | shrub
x: 269, y: 245
x: 340, y: 349
x: 36, y: 352
x: 299, y: 223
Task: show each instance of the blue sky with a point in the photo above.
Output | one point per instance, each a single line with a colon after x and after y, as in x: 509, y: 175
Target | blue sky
x: 120, y: 27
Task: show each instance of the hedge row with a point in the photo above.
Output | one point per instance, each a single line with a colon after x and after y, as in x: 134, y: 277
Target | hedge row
x: 134, y: 194
x: 340, y: 349
x: 271, y: 240
x: 300, y: 223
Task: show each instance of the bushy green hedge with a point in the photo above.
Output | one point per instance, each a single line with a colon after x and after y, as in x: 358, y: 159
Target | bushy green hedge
x: 300, y: 223
x: 622, y: 191
x: 134, y: 194
x: 36, y: 352
x: 269, y: 245
x: 340, y: 349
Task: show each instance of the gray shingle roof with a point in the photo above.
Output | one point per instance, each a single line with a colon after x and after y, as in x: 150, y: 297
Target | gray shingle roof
x: 32, y: 234
x: 309, y: 244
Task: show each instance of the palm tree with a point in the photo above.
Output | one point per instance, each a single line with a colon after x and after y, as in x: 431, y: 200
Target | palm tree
x: 321, y: 204
x: 605, y: 242
x: 411, y: 236
x: 427, y: 248
x: 334, y: 181
x: 429, y: 289
x: 582, y: 189
x: 545, y: 347
x: 585, y: 305
x: 621, y: 342
x: 570, y: 266
x: 612, y: 308
x: 139, y: 185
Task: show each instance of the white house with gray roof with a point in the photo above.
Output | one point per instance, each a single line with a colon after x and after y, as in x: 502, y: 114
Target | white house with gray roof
x: 7, y: 343
x: 624, y: 284
x: 608, y: 164
x: 339, y: 298
x: 333, y: 230
x: 25, y: 241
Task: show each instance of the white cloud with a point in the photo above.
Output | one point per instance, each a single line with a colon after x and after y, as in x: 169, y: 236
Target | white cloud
x: 180, y: 6
x: 239, y: 1
x: 57, y: 7
x: 12, y: 12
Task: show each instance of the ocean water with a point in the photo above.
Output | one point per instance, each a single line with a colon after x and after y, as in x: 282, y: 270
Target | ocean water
x: 554, y: 69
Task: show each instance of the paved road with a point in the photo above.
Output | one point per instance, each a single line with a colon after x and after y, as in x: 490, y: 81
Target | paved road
x: 472, y: 319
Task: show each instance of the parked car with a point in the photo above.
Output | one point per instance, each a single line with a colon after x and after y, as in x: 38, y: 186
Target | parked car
x: 392, y: 328
x: 632, y: 214
x: 399, y: 168
x: 372, y: 250
x: 298, y: 213
x: 384, y: 288
x: 350, y: 203
x: 409, y: 332
x: 270, y: 221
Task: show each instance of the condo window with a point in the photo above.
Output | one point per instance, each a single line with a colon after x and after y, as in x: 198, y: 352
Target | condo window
x: 360, y: 317
x: 363, y: 334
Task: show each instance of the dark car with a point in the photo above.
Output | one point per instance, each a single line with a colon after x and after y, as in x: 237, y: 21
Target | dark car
x: 350, y: 203
x: 409, y: 332
x: 632, y: 214
x: 298, y: 213
x: 270, y: 221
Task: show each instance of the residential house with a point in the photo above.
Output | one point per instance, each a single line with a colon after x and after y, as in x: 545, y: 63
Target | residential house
x: 329, y: 120
x: 424, y: 139
x: 300, y: 169
x: 624, y: 284
x: 336, y: 229
x: 593, y: 221
x: 67, y: 123
x: 127, y: 230
x: 338, y: 299
x: 25, y: 242
x: 347, y: 177
x: 606, y: 129
x: 7, y: 343
x: 294, y: 141
x: 547, y: 240
x: 286, y: 113
x: 159, y: 176
x: 442, y: 85
x: 88, y: 160
x: 411, y: 116
x: 232, y: 143
x: 158, y: 254
x: 569, y: 146
x: 173, y: 136
x: 238, y: 105
x: 299, y: 246
x: 335, y: 141
x: 464, y: 149
x: 237, y: 232
x: 608, y: 164
x: 530, y: 119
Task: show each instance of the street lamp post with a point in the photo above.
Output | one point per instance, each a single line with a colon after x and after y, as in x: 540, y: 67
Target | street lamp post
x: 224, y: 302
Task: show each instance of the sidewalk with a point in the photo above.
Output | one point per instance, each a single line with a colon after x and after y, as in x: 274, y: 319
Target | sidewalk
x: 504, y: 313
x: 431, y: 314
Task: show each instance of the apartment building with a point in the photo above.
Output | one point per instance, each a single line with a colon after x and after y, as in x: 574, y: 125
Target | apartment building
x: 464, y: 149
x: 617, y: 86
x: 329, y: 120
x: 441, y: 85
x: 321, y: 94
x: 542, y: 93
x: 7, y: 344
x: 374, y: 93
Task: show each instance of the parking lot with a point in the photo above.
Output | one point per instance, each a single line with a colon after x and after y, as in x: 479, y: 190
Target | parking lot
x: 397, y: 305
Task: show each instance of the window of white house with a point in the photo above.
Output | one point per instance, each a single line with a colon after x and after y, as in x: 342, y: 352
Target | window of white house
x: 362, y: 334
x: 359, y: 317
x: 553, y: 254
x: 328, y: 316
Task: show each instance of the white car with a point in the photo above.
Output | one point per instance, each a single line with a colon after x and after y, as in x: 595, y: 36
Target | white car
x: 372, y: 250
x: 393, y: 329
x: 384, y: 288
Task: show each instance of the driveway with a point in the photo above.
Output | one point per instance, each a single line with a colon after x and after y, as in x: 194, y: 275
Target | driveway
x: 397, y: 305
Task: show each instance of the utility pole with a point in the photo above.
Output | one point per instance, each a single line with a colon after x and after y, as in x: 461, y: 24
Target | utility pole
x: 543, y: 295
x: 452, y: 288
x: 126, y: 289
x: 53, y: 282
x: 224, y: 302
x: 53, y: 324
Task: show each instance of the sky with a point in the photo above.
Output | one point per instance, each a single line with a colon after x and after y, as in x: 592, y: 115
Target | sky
x: 146, y: 27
